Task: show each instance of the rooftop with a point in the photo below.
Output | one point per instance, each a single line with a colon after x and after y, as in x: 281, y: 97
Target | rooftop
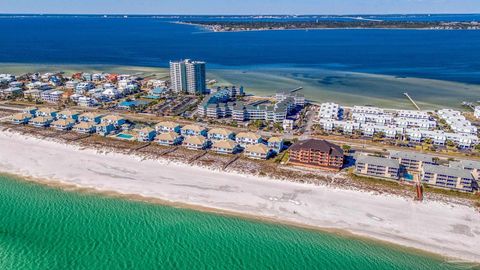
x: 167, y: 124
x: 379, y: 161
x: 249, y: 135
x: 193, y: 127
x: 465, y: 164
x: 257, y: 148
x: 444, y: 170
x: 318, y: 145
x: 221, y: 131
x: 411, y: 156
x: 229, y: 144
x: 195, y: 140
x: 169, y: 136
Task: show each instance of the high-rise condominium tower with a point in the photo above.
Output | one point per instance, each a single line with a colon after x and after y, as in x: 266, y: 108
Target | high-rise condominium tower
x: 188, y: 76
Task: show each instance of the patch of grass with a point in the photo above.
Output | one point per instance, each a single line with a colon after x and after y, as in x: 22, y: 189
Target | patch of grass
x: 285, y: 157
x: 378, y: 182
x: 453, y: 193
x: 374, y: 182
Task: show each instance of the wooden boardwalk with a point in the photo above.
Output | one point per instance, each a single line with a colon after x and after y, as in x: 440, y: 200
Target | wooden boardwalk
x: 203, y: 153
x: 81, y: 137
x: 231, y: 161
x: 169, y: 150
x: 140, y: 147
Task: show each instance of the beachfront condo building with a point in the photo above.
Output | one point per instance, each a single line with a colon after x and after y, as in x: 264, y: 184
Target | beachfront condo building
x: 470, y: 165
x: 318, y: 154
x: 378, y: 167
x: 188, y: 76
x: 447, y: 177
x: 411, y: 160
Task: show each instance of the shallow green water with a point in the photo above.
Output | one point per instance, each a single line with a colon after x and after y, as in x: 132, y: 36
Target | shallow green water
x: 46, y: 228
x: 349, y: 88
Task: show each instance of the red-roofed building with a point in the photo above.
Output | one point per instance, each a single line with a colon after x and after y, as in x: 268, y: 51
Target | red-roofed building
x: 318, y: 154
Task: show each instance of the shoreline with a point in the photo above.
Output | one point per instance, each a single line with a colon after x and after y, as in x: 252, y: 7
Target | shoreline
x: 66, y: 187
x: 378, y: 217
x: 209, y: 28
x: 319, y: 83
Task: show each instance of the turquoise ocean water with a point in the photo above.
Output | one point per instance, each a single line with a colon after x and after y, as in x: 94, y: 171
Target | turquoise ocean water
x: 48, y: 228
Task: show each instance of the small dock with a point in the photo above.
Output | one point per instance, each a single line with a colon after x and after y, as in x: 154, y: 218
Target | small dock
x: 411, y: 100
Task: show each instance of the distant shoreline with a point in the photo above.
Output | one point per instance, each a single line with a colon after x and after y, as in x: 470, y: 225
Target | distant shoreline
x: 220, y: 27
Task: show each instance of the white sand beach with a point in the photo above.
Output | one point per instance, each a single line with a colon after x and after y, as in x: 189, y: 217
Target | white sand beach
x: 450, y: 230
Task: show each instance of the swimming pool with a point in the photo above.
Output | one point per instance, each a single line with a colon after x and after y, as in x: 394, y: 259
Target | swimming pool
x: 124, y: 136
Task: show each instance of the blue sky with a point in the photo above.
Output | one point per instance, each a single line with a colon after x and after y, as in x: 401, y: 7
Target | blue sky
x: 239, y: 6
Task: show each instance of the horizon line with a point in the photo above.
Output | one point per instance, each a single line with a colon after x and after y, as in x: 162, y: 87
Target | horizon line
x: 232, y: 14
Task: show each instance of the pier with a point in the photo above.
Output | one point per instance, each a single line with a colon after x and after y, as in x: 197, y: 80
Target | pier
x: 411, y: 100
x: 296, y: 89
